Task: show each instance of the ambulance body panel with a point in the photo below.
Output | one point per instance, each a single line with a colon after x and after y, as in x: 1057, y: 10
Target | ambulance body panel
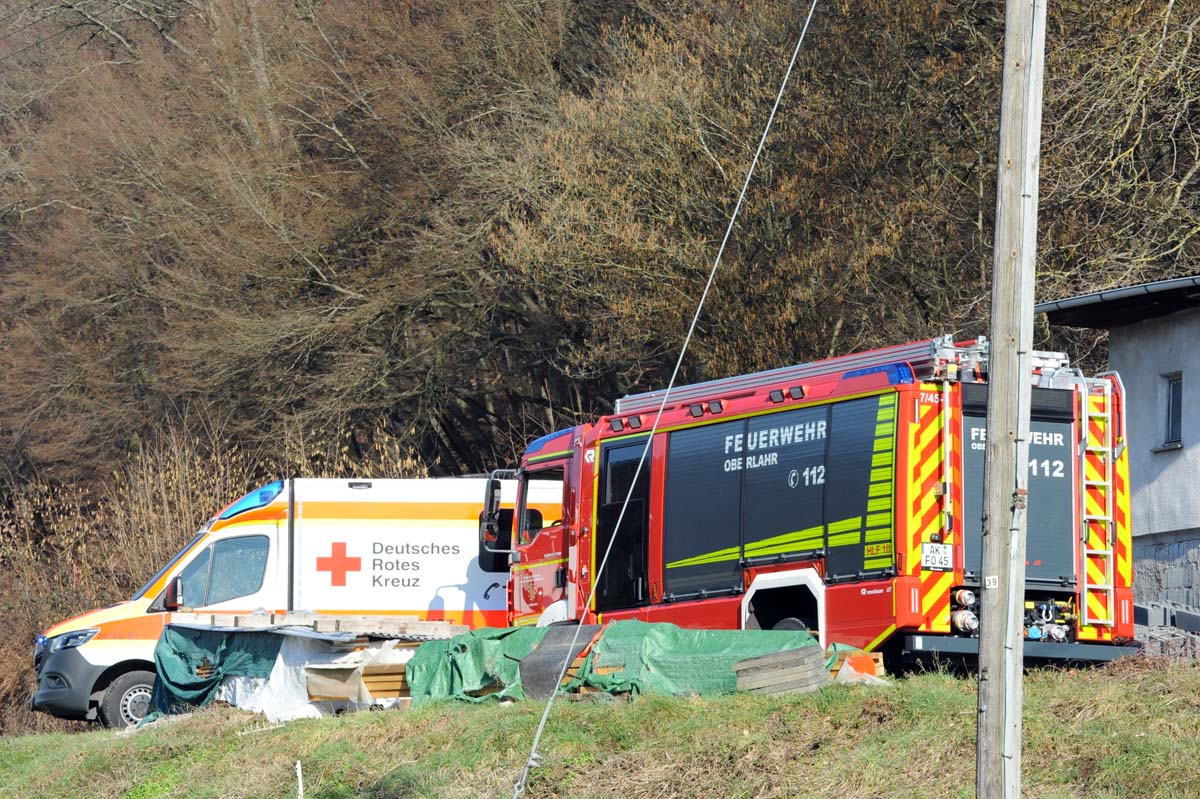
x: 336, y: 547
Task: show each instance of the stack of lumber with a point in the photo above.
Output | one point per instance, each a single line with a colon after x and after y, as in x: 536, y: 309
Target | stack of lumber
x: 386, y: 680
x: 341, y: 682
x: 791, y: 672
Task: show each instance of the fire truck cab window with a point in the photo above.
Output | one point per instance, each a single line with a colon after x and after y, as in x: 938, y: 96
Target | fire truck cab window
x: 532, y: 521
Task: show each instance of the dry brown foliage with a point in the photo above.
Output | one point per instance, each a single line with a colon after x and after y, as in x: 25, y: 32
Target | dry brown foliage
x: 445, y: 228
x: 471, y: 223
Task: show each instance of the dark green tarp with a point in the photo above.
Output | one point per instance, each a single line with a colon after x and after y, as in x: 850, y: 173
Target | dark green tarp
x: 230, y: 654
x: 630, y: 656
x: 468, y: 665
x: 637, y: 657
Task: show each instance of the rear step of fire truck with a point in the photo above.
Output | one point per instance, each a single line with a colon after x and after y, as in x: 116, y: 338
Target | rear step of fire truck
x: 1099, y: 525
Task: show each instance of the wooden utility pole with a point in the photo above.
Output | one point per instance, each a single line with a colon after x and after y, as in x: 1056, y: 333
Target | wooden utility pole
x: 1001, y: 639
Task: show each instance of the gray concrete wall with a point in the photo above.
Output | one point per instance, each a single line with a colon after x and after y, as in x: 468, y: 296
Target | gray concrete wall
x: 1166, y: 567
x: 1166, y: 484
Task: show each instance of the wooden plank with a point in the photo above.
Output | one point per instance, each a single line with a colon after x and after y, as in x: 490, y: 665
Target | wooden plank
x: 793, y: 663
x: 386, y: 668
x: 805, y: 653
x: 374, y: 679
x: 805, y: 688
x: 782, y: 675
x: 816, y: 680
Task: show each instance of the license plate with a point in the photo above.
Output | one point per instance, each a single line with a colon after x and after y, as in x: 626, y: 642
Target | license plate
x: 937, y: 557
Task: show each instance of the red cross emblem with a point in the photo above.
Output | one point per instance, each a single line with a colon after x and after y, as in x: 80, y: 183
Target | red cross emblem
x: 337, y: 564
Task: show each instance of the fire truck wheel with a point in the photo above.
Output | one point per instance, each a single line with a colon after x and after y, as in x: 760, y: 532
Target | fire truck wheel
x: 790, y: 623
x: 127, y: 700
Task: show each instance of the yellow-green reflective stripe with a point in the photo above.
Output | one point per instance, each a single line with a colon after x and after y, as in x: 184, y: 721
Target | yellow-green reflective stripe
x: 877, y: 563
x: 547, y: 456
x: 803, y: 536
x: 881, y: 534
x: 807, y: 537
x: 880, y: 489
x: 883, y: 443
x: 845, y: 524
x: 815, y: 544
x: 880, y: 504
x: 521, y: 566
x: 881, y: 459
x: 879, y: 475
x: 877, y: 519
x: 886, y: 413
x: 884, y: 429
x: 730, y: 553
x: 845, y: 539
x: 799, y: 541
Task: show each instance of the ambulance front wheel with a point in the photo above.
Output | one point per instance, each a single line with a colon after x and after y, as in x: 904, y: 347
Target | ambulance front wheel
x: 127, y: 700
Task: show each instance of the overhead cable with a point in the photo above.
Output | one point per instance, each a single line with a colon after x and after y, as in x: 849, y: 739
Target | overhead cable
x: 535, y: 758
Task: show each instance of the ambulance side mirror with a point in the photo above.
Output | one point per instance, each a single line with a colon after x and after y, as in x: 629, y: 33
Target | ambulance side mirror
x: 173, y: 600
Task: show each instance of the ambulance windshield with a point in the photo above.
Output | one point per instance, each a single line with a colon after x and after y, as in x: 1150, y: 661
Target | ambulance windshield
x: 170, y: 564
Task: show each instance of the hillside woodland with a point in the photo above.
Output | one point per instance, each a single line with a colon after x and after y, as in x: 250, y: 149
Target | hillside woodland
x: 246, y: 237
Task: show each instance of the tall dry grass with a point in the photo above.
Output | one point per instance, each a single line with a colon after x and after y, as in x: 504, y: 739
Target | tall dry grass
x: 65, y: 550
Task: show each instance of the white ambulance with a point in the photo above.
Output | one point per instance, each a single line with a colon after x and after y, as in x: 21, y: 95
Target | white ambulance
x: 375, y: 547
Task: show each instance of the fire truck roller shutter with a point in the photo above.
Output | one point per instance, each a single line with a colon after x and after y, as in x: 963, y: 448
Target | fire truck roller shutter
x: 1050, y: 541
x: 783, y: 495
x: 859, y: 487
x: 780, y: 487
x: 702, y: 510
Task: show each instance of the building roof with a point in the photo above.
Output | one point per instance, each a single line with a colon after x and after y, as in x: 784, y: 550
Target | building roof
x: 1125, y: 306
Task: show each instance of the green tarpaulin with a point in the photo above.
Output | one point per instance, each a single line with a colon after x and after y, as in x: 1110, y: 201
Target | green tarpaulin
x: 636, y: 657
x: 217, y: 654
x: 468, y: 665
x: 630, y: 656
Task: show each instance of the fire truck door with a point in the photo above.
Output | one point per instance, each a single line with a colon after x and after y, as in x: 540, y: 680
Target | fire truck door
x: 623, y: 529
x: 540, y: 574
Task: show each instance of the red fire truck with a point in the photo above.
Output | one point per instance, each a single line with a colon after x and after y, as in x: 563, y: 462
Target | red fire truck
x: 842, y: 496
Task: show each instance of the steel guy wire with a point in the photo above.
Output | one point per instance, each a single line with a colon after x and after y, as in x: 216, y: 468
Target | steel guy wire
x: 535, y: 758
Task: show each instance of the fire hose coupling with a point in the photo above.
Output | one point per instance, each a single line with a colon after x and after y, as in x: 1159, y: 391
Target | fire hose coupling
x: 1053, y: 632
x: 965, y: 621
x: 963, y: 597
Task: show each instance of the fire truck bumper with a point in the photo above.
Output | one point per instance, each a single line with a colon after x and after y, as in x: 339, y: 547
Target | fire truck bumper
x: 1034, y: 650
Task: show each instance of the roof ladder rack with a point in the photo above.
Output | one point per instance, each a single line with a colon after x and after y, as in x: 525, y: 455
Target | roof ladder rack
x: 929, y: 359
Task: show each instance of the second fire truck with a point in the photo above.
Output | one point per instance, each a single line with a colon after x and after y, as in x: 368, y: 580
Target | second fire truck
x: 842, y: 496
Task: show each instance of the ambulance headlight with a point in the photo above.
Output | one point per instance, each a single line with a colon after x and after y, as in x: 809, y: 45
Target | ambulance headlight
x: 72, y: 639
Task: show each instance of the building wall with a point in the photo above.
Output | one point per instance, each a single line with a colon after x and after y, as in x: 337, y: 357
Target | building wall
x: 1166, y: 567
x: 1165, y: 483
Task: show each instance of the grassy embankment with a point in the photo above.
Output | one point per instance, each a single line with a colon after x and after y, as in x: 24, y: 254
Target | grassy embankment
x: 1132, y: 730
